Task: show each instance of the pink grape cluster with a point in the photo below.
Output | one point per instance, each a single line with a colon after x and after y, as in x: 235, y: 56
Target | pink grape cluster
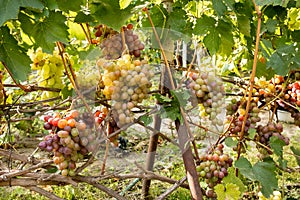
x: 112, y: 47
x: 70, y: 138
x: 213, y: 168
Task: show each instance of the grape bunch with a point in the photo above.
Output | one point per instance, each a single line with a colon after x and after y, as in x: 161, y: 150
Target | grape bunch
x: 275, y: 196
x: 292, y: 96
x: 264, y: 133
x: 1, y: 87
x: 50, y: 71
x: 70, y: 138
x: 235, y: 107
x: 269, y: 89
x: 112, y: 47
x: 104, y: 31
x: 209, y: 91
x: 127, y: 83
x: 213, y: 168
x: 88, y: 76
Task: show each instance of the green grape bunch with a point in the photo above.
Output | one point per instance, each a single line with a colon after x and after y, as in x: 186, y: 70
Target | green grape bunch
x: 50, y: 71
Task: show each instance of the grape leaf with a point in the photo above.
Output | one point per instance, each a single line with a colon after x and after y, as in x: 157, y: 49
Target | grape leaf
x: 204, y: 25
x: 82, y: 17
x: 279, y: 64
x: 230, y: 142
x: 158, y: 14
x: 264, y: 2
x: 245, y: 167
x: 265, y: 174
x: 177, y: 23
x: 9, y: 9
x: 229, y: 3
x: 124, y: 3
x: 48, y: 31
x: 13, y: 55
x: 181, y: 96
x: 277, y: 145
x: 219, y: 7
x: 109, y: 12
x: 67, y: 5
x: 146, y: 119
x: 226, y: 37
x: 271, y: 25
x: 232, y: 178
x: 229, y: 191
x: 244, y: 24
x: 212, y: 41
x: 296, y: 151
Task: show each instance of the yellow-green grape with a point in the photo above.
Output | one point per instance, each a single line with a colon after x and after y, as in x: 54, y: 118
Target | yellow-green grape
x: 49, y: 71
x: 87, y: 76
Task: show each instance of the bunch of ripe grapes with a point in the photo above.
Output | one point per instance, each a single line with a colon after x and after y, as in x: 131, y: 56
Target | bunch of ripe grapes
x: 236, y: 114
x: 103, y: 31
x: 292, y: 97
x: 213, y: 168
x: 127, y: 83
x: 209, y: 91
x: 50, y: 71
x: 70, y: 138
x: 113, y: 46
x: 1, y: 87
x: 265, y: 132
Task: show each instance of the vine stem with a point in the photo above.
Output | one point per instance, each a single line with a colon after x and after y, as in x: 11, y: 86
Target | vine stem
x: 72, y: 80
x: 183, y: 130
x: 259, y: 14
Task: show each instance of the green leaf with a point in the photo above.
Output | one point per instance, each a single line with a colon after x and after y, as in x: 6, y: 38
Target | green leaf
x: 13, y: 55
x: 230, y: 191
x: 176, y: 23
x: 245, y: 168
x: 109, y: 12
x: 66, y: 93
x: 277, y: 145
x: 279, y: 65
x: 47, y: 32
x: 212, y: 41
x: 67, y: 5
x: 82, y: 17
x: 230, y: 142
x: 244, y: 24
x: 271, y: 25
x: 204, y: 25
x: 252, y: 132
x: 146, y: 119
x: 226, y: 37
x: 9, y: 9
x: 124, y: 3
x: 162, y: 99
x: 296, y: 151
x: 264, y: 2
x: 181, y: 96
x: 159, y: 16
x: 229, y: 3
x: 219, y: 7
x: 265, y: 174
x: 232, y: 178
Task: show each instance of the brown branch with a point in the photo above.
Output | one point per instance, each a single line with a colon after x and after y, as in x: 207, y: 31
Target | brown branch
x: 22, y: 87
x: 171, y: 189
x: 43, y: 192
x: 99, y: 186
x: 14, y: 173
x: 259, y: 14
